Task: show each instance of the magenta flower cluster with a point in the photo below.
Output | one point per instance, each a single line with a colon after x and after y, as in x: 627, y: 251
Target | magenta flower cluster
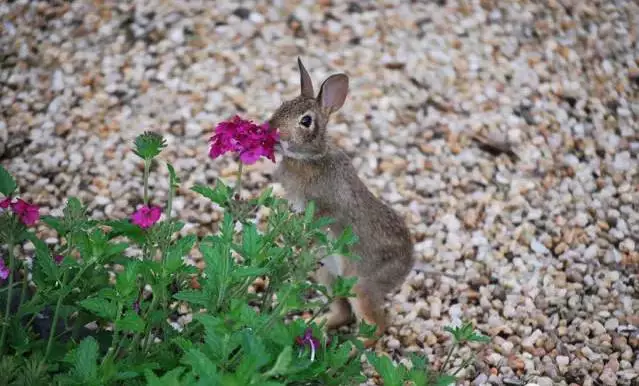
x: 249, y: 140
x: 29, y: 214
x: 146, y: 216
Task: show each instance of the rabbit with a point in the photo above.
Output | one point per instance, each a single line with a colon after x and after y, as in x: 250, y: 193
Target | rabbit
x: 312, y: 169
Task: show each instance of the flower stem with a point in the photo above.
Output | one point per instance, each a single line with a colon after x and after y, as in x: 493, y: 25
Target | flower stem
x: 238, y: 184
x: 116, y: 337
x: 56, y: 314
x: 147, y: 335
x: 23, y: 293
x: 7, y: 310
x: 54, y: 323
x: 450, y: 353
x: 169, y: 205
x: 147, y: 166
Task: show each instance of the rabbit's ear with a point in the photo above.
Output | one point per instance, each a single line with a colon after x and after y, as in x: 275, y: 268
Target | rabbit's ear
x: 333, y: 92
x: 305, y: 81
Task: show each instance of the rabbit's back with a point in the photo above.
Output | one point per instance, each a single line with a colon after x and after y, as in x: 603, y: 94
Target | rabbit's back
x: 332, y: 182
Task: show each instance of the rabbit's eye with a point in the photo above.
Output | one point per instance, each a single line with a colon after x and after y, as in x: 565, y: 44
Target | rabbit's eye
x: 306, y: 121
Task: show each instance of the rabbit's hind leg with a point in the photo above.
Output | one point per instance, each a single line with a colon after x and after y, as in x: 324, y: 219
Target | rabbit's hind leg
x: 368, y: 306
x: 340, y: 312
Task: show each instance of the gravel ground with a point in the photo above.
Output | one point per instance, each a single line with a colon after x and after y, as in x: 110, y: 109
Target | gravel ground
x: 505, y: 131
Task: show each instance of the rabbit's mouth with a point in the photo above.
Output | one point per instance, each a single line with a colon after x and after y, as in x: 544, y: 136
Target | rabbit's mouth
x: 290, y: 151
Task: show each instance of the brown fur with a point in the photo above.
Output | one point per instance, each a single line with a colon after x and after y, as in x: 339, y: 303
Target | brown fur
x: 314, y: 170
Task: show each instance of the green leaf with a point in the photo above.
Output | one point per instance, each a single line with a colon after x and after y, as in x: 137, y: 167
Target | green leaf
x: 55, y: 223
x: 149, y: 145
x: 170, y: 378
x: 100, y: 307
x: 265, y: 197
x: 242, y: 272
x: 250, y: 241
x: 445, y: 380
x: 86, y: 355
x: 220, y: 195
x: 174, y: 180
x: 309, y: 212
x: 366, y: 330
x: 384, y: 366
x: 466, y: 333
x: 126, y: 280
x: 194, y: 297
x: 115, y: 249
x: 282, y: 363
x: 7, y: 183
x: 343, y: 286
x: 46, y: 264
x: 126, y: 228
x: 177, y: 251
x: 131, y: 322
x: 202, y: 366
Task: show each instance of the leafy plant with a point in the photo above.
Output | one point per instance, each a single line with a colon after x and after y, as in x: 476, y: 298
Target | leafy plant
x: 98, y: 307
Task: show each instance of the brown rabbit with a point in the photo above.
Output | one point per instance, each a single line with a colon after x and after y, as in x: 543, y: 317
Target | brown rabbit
x: 314, y: 170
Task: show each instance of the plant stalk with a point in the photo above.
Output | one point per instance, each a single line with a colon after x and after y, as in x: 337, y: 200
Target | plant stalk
x: 147, y: 335
x: 56, y: 315
x: 147, y: 166
x: 238, y: 184
x: 116, y: 336
x: 7, y: 310
x: 169, y: 205
x: 450, y: 354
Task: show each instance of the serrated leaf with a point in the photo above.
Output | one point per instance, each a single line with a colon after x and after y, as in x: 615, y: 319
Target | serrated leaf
x: 148, y: 145
x: 115, y: 249
x: 100, y: 307
x: 194, y: 297
x: 282, y: 363
x: 242, y: 272
x: 86, y: 355
x: 55, y: 223
x: 309, y: 212
x: 445, y: 380
x: 126, y: 280
x: 250, y: 241
x: 384, y: 366
x: 220, y: 194
x: 343, y: 286
x: 131, y: 322
x: 202, y: 366
x: 174, y: 180
x: 177, y: 251
x: 126, y: 228
x: 7, y: 183
x: 170, y: 378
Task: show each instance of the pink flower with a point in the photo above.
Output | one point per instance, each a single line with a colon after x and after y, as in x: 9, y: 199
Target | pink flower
x: 28, y: 213
x: 249, y: 140
x: 4, y: 204
x: 4, y: 271
x: 146, y: 216
x: 58, y: 259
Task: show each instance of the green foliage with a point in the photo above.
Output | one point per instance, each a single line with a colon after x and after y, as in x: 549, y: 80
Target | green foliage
x: 7, y: 183
x: 466, y: 333
x: 238, y: 335
x: 149, y: 145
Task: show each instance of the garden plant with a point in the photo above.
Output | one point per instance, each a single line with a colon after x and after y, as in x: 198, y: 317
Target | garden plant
x: 96, y: 308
